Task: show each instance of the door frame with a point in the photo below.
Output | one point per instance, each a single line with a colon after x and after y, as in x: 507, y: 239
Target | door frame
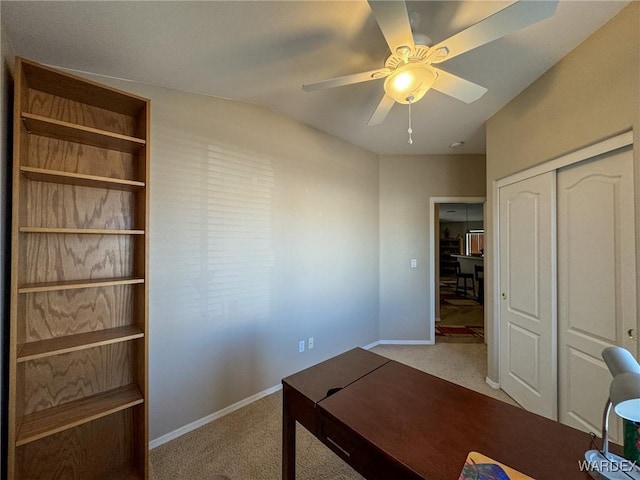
x: 602, y: 147
x: 432, y: 250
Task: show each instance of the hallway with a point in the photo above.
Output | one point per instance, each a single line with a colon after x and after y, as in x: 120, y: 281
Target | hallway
x: 459, y: 272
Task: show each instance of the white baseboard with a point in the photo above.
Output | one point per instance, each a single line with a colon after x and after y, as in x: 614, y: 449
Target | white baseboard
x: 492, y: 384
x: 406, y: 342
x: 398, y: 342
x: 210, y: 418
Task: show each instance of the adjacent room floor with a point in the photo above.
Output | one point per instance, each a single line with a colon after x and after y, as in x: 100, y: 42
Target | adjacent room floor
x: 461, y: 316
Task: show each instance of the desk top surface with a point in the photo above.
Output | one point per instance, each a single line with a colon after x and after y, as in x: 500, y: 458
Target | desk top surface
x: 335, y: 373
x: 430, y: 424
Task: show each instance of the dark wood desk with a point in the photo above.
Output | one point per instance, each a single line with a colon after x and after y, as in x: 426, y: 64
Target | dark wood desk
x: 391, y: 421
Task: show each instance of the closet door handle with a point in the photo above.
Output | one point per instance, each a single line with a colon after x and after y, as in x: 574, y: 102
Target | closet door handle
x: 504, y: 296
x: 631, y: 333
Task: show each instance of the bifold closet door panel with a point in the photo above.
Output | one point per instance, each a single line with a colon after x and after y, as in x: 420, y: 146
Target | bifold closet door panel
x: 596, y: 282
x: 528, y: 317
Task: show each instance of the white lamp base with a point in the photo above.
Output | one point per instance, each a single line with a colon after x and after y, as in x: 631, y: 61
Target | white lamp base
x: 611, y: 467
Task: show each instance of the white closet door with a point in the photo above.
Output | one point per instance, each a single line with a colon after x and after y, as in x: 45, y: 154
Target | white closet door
x: 596, y: 281
x: 528, y: 327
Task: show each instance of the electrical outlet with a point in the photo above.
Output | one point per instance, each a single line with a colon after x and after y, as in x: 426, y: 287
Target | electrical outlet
x: 310, y: 343
x: 414, y: 263
x: 301, y: 346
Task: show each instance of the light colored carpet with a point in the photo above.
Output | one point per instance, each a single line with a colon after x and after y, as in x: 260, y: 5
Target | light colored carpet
x: 246, y: 444
x: 461, y: 363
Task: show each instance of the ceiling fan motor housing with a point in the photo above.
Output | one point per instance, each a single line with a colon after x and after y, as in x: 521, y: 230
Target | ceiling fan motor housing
x: 417, y: 54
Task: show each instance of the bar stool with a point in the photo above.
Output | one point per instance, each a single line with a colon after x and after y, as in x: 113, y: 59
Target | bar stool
x: 479, y: 269
x: 464, y: 277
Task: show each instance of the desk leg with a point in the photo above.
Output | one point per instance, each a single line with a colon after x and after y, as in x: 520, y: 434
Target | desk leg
x: 288, y: 438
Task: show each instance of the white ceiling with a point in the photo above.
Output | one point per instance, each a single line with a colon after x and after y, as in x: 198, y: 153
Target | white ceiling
x: 460, y: 212
x: 262, y: 52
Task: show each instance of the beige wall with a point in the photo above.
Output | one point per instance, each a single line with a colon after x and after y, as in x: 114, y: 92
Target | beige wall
x: 591, y: 94
x: 406, y: 184
x: 264, y: 232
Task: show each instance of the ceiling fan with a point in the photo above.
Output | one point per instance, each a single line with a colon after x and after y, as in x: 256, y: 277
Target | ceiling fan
x: 409, y: 72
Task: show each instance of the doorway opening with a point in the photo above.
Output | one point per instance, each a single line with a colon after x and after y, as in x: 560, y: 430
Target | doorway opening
x: 459, y: 272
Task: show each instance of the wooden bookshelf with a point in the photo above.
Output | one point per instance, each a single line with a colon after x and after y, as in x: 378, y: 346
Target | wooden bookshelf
x: 83, y: 180
x: 83, y: 91
x: 57, y: 419
x: 73, y: 285
x: 48, y: 127
x: 78, y: 404
x: 81, y: 231
x: 72, y: 343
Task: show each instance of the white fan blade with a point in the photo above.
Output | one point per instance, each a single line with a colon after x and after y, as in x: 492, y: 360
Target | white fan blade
x: 393, y: 19
x: 381, y: 111
x: 457, y: 87
x: 514, y: 17
x: 347, y: 80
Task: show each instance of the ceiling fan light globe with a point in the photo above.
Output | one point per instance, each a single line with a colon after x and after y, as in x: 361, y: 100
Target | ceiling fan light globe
x: 403, y: 81
x: 410, y: 80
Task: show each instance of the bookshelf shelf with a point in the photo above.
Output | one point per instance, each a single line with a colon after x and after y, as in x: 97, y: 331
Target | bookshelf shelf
x: 73, y: 285
x: 81, y: 231
x: 72, y: 343
x: 57, y: 419
x: 48, y: 127
x: 69, y: 178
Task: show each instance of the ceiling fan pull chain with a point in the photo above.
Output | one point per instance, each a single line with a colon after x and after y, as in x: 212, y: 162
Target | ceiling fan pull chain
x: 410, y: 99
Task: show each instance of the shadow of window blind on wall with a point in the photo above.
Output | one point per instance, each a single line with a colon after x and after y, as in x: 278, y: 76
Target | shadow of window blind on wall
x: 216, y: 211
